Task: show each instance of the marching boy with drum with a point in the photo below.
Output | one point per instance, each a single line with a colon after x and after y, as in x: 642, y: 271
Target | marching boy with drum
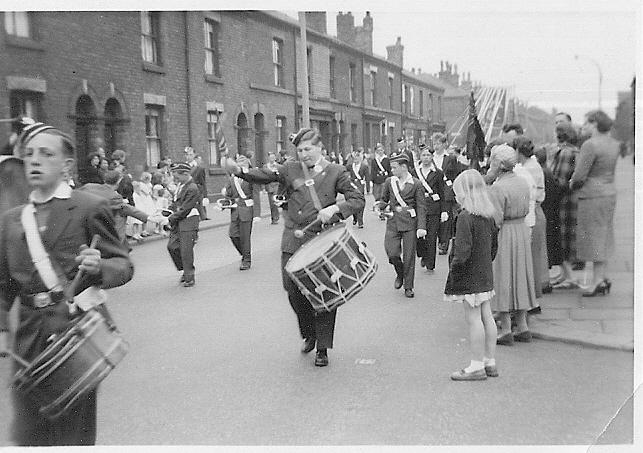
x: 313, y: 184
x: 404, y: 196
x: 56, y: 226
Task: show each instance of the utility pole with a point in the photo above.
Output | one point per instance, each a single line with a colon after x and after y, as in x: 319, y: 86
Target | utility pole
x: 303, y: 58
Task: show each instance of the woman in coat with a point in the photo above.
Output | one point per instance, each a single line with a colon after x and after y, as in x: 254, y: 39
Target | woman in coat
x: 513, y: 271
x: 594, y: 179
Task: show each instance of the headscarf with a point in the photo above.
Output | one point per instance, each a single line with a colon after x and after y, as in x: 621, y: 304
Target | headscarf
x: 506, y: 156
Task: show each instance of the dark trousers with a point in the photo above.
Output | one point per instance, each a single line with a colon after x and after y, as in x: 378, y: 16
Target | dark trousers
x: 240, y: 233
x: 320, y: 326
x: 76, y: 427
x: 446, y: 228
x: 378, y: 189
x: 400, y: 249
x: 426, y: 246
x: 203, y: 213
x: 181, y: 248
x: 358, y: 217
x: 274, y: 209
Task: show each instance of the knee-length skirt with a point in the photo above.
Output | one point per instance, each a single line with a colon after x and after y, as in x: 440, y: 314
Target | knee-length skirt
x: 513, y: 269
x: 595, y: 228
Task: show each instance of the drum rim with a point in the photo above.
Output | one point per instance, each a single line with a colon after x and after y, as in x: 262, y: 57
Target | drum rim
x: 309, y: 244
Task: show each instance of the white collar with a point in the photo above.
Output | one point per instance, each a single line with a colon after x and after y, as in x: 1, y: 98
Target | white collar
x: 408, y: 179
x: 63, y: 192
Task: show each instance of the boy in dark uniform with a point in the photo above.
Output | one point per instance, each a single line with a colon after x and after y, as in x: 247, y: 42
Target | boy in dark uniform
x: 405, y: 196
x: 243, y: 193
x: 66, y: 221
x: 432, y: 180
x: 380, y: 170
x: 359, y: 173
x: 184, y: 222
x: 305, y: 205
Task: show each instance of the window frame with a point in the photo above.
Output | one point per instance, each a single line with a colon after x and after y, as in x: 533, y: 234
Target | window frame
x: 159, y: 137
x: 331, y: 75
x: 152, y: 37
x: 352, y: 89
x: 421, y: 103
x: 208, y: 49
x: 280, y: 133
x: 391, y: 89
x: 14, y: 29
x: 373, y: 87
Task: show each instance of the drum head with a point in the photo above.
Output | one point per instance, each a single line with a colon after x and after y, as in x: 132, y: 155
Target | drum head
x: 314, y: 248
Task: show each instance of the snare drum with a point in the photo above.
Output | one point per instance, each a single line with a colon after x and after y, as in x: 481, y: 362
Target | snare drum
x: 74, y: 364
x: 331, y: 268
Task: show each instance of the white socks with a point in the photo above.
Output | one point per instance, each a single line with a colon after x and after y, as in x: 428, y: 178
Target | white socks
x: 489, y: 362
x: 474, y: 366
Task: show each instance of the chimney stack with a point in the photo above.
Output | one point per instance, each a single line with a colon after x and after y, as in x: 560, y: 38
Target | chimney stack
x: 395, y: 53
x: 364, y: 34
x: 316, y: 20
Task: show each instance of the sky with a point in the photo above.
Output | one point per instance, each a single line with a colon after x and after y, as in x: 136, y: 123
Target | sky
x: 531, y: 52
x: 525, y: 45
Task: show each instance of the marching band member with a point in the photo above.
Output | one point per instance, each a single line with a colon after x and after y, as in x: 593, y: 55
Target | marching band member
x: 405, y: 196
x: 62, y: 221
x: 432, y: 180
x: 242, y: 192
x: 184, y: 222
x: 313, y: 184
x: 272, y: 189
x: 358, y: 171
x: 451, y: 168
x: 380, y: 170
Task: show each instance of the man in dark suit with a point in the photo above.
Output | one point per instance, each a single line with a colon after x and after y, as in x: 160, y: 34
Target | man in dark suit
x: 242, y: 193
x: 358, y: 171
x: 66, y: 221
x: 312, y: 185
x: 380, y: 170
x: 432, y: 180
x: 198, y: 176
x: 405, y: 197
x: 184, y: 222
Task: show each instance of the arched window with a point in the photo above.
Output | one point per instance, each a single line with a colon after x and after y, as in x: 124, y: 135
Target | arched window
x: 113, y: 125
x: 242, y: 134
x: 86, y: 129
x: 260, y: 133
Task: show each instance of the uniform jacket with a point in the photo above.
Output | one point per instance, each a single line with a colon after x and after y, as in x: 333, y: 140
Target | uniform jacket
x: 120, y: 209
x: 451, y: 168
x: 188, y: 198
x: 377, y: 175
x: 361, y: 177
x: 71, y: 223
x: 272, y: 187
x: 476, y: 244
x: 435, y: 180
x: 333, y: 179
x: 198, y: 176
x: 242, y: 212
x: 413, y: 196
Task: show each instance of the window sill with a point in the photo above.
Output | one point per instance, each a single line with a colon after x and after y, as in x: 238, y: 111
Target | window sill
x: 25, y: 43
x: 213, y: 79
x: 272, y: 89
x: 151, y: 67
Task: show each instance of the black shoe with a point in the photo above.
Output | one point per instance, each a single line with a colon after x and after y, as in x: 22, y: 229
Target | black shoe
x: 188, y: 283
x: 274, y: 222
x: 547, y: 289
x: 244, y: 266
x: 409, y: 293
x: 360, y: 226
x: 423, y: 263
x: 321, y: 359
x: 535, y: 311
x: 399, y: 281
x: 602, y: 288
x: 442, y: 251
x: 578, y: 266
x: 182, y: 279
x: 309, y: 345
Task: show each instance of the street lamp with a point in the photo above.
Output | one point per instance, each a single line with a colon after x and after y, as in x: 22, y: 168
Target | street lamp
x: 600, y: 76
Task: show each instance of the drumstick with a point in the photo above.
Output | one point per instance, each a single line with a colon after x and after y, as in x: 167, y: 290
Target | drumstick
x: 18, y: 359
x: 71, y: 289
x: 300, y: 233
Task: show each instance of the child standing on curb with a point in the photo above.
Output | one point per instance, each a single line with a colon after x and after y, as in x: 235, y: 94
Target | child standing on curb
x: 470, y: 280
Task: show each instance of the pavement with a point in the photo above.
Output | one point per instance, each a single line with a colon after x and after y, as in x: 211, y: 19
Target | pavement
x: 605, y: 322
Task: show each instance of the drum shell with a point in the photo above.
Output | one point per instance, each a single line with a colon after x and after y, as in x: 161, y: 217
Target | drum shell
x: 354, y: 264
x: 72, y: 365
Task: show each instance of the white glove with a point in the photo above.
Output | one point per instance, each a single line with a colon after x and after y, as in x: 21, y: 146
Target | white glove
x: 223, y: 192
x: 444, y: 217
x: 325, y: 214
x: 420, y: 233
